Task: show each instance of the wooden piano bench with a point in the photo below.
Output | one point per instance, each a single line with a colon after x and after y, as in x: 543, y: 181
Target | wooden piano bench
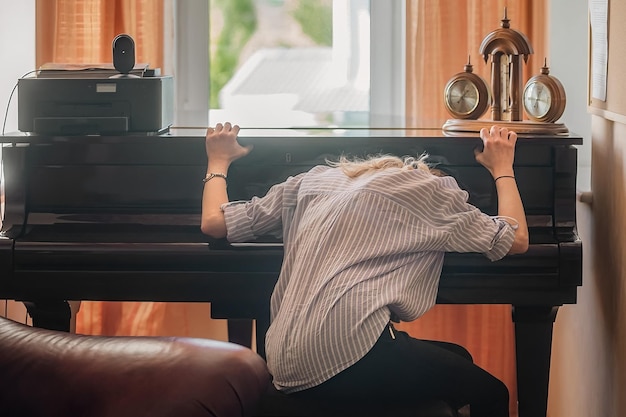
x: 57, y: 374
x: 276, y: 404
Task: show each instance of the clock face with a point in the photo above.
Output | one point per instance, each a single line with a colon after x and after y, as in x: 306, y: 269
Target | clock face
x: 537, y: 99
x: 462, y: 96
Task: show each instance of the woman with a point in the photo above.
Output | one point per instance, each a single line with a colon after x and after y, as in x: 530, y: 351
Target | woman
x: 364, y: 242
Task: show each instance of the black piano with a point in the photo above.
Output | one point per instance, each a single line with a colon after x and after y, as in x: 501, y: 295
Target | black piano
x: 116, y: 218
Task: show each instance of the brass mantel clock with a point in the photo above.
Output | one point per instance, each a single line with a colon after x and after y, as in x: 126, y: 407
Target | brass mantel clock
x: 507, y: 50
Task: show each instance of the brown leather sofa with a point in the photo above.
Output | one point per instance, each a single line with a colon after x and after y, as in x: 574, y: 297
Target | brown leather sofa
x: 45, y: 373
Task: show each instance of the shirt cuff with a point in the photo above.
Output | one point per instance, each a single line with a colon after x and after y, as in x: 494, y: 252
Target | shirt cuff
x: 502, y: 241
x: 238, y: 224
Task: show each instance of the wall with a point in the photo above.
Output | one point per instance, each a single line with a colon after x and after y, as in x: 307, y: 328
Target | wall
x: 568, y: 26
x: 588, y: 374
x: 17, y: 35
x: 589, y: 350
x: 17, y: 52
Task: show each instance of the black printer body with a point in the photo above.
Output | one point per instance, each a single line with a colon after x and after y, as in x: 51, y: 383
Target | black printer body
x: 106, y: 105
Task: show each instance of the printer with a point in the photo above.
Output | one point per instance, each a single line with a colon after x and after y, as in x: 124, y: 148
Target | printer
x: 95, y: 100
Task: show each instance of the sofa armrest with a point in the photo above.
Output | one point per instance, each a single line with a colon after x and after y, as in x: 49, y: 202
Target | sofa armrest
x: 52, y: 373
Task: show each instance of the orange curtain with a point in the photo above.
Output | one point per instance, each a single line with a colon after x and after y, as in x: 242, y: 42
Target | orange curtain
x: 82, y: 31
x: 441, y: 35
x: 149, y: 319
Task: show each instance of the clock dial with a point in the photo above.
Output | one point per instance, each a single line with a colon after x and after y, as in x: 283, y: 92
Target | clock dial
x: 537, y: 99
x: 462, y: 96
x: 544, y: 97
x: 466, y: 95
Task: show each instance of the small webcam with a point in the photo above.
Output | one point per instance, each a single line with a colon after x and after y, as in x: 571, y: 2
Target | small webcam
x: 124, y: 54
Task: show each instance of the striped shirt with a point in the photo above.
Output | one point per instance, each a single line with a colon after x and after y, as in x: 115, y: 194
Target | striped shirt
x: 356, y: 250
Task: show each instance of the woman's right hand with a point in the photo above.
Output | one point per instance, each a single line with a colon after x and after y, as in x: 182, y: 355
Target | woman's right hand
x: 497, y: 156
x: 498, y: 150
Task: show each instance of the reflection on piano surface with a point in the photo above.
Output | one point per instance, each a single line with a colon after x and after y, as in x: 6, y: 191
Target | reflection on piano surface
x: 117, y: 218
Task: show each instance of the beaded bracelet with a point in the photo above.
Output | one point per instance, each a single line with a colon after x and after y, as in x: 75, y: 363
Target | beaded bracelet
x: 212, y: 175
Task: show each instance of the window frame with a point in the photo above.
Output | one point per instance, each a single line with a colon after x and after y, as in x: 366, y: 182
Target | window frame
x: 186, y: 57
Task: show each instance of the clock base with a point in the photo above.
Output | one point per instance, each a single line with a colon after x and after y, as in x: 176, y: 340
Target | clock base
x: 520, y: 127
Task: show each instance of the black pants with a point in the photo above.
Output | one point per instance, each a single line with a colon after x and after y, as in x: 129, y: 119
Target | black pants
x: 402, y: 367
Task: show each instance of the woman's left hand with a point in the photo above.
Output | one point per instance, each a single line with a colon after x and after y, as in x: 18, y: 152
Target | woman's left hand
x: 222, y: 146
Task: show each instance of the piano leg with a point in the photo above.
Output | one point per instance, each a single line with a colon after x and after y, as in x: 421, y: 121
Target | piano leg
x: 240, y: 331
x: 533, y: 344
x: 50, y: 314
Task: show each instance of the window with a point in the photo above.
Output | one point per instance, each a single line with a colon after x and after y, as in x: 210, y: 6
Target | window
x: 297, y: 63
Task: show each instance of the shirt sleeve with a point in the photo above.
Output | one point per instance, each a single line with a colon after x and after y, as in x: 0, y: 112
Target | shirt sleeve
x: 471, y: 230
x: 490, y: 236
x: 246, y: 221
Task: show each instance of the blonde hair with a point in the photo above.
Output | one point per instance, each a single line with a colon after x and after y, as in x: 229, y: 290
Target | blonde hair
x: 358, y: 166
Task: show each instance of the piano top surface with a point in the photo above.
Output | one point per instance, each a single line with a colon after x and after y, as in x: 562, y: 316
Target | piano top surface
x: 246, y: 134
